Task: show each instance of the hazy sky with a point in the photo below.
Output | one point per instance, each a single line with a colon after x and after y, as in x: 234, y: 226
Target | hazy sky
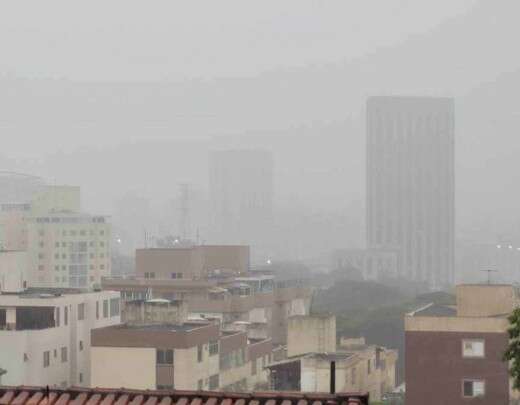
x: 98, y: 40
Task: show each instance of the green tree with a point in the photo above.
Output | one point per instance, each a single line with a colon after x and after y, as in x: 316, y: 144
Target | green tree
x: 512, y: 354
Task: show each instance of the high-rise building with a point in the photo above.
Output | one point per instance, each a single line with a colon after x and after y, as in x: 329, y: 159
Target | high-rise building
x: 410, y: 184
x: 241, y: 197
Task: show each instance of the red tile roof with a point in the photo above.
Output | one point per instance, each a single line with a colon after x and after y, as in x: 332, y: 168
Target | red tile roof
x: 85, y: 396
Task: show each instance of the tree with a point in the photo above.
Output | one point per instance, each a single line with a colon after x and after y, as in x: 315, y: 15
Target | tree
x: 512, y: 354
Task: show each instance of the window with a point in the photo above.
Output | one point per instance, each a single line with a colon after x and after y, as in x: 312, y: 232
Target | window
x: 41, y: 267
x: 114, y: 307
x: 80, y: 378
x: 97, y: 309
x: 164, y: 356
x: 200, y: 384
x: 81, y: 345
x: 65, y: 316
x: 55, y: 353
x: 369, y: 366
x: 81, y: 312
x: 213, y: 382
x: 199, y: 353
x: 63, y: 354
x: 472, y: 348
x: 46, y: 359
x: 353, y: 376
x: 57, y: 316
x: 213, y: 347
x: 56, y: 255
x: 105, y: 308
x: 57, y: 244
x: 473, y: 388
x: 253, y: 367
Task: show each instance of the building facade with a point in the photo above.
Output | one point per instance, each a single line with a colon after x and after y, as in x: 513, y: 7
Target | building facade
x: 410, y: 184
x: 65, y: 247
x: 192, y: 262
x: 458, y: 358
x: 175, y: 353
x: 45, y: 334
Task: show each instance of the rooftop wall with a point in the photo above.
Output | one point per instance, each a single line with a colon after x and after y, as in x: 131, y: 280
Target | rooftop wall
x: 484, y: 300
x: 311, y: 334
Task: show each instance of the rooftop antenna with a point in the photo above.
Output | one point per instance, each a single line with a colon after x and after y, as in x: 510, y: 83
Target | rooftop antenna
x: 489, y: 271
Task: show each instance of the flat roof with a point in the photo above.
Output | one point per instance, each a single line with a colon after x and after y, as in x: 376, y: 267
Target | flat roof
x: 185, y: 327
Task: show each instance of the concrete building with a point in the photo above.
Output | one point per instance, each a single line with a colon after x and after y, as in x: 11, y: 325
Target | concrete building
x: 455, y: 358
x: 410, y: 184
x: 241, y: 194
x: 45, y: 334
x: 312, y: 349
x: 257, y: 304
x: 13, y: 270
x: 173, y: 353
x: 65, y: 247
x: 192, y: 262
x: 374, y: 264
x: 311, y: 333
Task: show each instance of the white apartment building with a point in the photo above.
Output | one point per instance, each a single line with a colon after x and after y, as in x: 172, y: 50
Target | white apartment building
x: 65, y: 246
x: 45, y: 334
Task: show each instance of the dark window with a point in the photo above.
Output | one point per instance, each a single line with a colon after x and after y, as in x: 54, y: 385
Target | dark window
x: 81, y: 345
x: 46, y: 359
x: 57, y: 316
x: 213, y: 382
x: 164, y: 356
x: 97, y: 309
x: 213, y: 347
x: 105, y: 308
x: 63, y: 354
x: 200, y: 353
x: 114, y: 307
x: 81, y: 312
x: 66, y: 315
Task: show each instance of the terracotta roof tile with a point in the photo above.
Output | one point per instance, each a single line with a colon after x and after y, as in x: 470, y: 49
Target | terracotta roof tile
x: 85, y: 396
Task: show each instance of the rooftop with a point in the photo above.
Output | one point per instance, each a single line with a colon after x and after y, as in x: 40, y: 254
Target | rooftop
x: 185, y: 327
x: 84, y: 396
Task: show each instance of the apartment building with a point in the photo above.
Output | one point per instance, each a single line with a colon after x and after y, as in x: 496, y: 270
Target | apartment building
x: 65, y: 247
x: 259, y: 304
x: 192, y: 262
x: 313, y: 356
x: 172, y: 353
x: 456, y: 357
x: 45, y: 334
